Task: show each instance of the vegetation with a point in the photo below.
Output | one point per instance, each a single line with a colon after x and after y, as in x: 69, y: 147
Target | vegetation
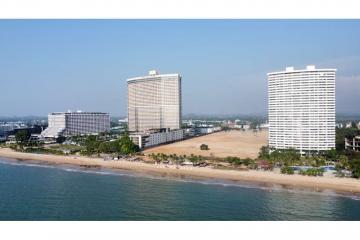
x: 286, y: 157
x: 312, y: 172
x: 234, y: 161
x: 175, y: 159
x: 287, y: 170
x: 124, y: 145
x: 249, y: 162
x: 86, y: 145
x: 91, y: 145
x: 341, y: 159
x: 127, y: 146
x: 67, y: 149
x: 355, y: 167
x: 44, y: 151
x: 264, y: 152
x: 204, y: 147
x: 22, y: 137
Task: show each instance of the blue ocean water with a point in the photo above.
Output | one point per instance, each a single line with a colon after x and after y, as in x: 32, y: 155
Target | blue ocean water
x: 30, y: 191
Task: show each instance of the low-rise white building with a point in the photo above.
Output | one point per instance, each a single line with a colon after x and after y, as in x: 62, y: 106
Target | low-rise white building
x: 148, y: 139
x: 189, y: 132
x: 207, y: 130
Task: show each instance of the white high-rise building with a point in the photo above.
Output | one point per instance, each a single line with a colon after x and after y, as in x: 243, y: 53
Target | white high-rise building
x: 154, y: 102
x: 301, y: 107
x: 76, y: 123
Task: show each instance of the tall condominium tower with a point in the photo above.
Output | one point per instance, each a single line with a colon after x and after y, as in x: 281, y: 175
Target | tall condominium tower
x: 302, y: 109
x: 154, y: 102
x: 76, y: 123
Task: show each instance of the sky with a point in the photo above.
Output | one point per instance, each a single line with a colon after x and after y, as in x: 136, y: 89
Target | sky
x: 59, y: 65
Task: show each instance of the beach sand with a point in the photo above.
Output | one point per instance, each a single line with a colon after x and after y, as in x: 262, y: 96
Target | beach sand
x: 268, y: 178
x: 234, y: 143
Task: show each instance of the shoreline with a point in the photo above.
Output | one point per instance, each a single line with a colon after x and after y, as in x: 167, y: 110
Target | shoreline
x: 343, y: 185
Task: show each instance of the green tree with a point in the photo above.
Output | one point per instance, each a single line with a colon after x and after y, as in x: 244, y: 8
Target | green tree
x: 343, y: 161
x: 264, y: 152
x: 233, y: 160
x: 248, y: 161
x: 285, y: 157
x: 320, y: 161
x: 287, y: 170
x: 204, y: 147
x: 331, y: 155
x: 355, y: 167
x: 22, y: 138
x: 127, y: 146
x: 114, y: 146
x: 104, y: 147
x: 91, y: 145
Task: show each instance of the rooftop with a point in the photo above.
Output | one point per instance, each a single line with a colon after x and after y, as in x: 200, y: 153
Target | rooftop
x: 77, y: 112
x: 308, y: 68
x: 152, y: 74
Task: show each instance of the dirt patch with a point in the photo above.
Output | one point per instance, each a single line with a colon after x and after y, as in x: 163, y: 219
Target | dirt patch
x: 241, y: 144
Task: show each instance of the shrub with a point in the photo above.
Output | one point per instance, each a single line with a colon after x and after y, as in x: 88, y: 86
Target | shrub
x: 355, y: 168
x: 287, y: 170
x: 248, y: 161
x: 312, y: 172
x: 234, y: 160
x: 204, y: 147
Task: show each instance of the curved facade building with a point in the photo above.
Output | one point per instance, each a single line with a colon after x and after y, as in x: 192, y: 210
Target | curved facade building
x: 154, y: 102
x: 301, y: 108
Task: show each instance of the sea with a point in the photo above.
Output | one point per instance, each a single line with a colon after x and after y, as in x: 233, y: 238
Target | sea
x: 33, y: 191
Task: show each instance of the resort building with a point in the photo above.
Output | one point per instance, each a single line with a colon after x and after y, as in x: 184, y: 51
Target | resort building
x: 148, y: 139
x: 352, y: 143
x: 301, y: 108
x: 154, y: 102
x: 76, y: 123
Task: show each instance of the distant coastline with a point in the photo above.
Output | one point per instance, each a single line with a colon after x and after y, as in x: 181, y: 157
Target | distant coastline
x: 349, y: 185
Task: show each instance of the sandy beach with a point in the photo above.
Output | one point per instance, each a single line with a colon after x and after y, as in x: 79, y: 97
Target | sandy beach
x: 269, y: 178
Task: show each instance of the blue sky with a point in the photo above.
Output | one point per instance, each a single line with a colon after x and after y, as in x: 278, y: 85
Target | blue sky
x: 56, y: 65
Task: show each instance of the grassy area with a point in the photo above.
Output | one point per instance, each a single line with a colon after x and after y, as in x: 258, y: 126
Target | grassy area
x: 66, y: 147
